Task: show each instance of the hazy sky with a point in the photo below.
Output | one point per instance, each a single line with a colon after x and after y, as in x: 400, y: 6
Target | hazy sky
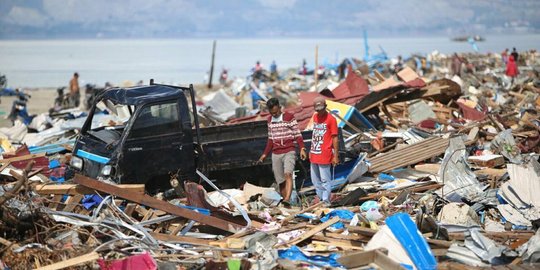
x: 262, y: 18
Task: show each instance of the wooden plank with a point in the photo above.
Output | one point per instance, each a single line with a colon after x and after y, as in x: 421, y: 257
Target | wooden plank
x: 90, y: 257
x: 70, y: 189
x: 496, y: 173
x: 440, y: 243
x: 379, y: 102
x: 338, y: 242
x: 439, y: 252
x: 312, y: 232
x: 20, y: 158
x: 149, y: 214
x: 428, y: 168
x: 55, y: 202
x: 130, y: 207
x: 182, y: 239
x: 4, y: 166
x: 487, y: 161
x: 72, y: 202
x: 378, y: 75
x: 352, y: 237
x: 502, y: 235
x: 8, y: 243
x: 378, y: 257
x: 157, y: 204
x: 361, y: 230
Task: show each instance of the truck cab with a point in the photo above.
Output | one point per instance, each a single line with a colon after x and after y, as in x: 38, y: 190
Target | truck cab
x: 138, y: 135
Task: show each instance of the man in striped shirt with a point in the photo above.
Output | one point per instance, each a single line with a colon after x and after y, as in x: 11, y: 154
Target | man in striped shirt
x: 282, y: 133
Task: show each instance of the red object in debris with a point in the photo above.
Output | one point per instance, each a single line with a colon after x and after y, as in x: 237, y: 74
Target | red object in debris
x: 471, y: 113
x: 39, y: 162
x: 416, y: 83
x: 428, y: 123
x: 137, y: 262
x: 353, y: 85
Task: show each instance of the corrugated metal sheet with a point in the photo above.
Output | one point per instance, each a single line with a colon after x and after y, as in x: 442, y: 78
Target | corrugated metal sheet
x: 409, y: 155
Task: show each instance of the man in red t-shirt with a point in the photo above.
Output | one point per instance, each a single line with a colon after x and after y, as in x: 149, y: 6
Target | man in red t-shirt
x: 282, y: 133
x: 324, y: 149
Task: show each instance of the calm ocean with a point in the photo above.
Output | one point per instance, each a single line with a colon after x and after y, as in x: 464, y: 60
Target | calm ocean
x: 50, y: 63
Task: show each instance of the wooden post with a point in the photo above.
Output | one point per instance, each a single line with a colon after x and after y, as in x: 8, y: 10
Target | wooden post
x: 212, y: 66
x: 315, y: 73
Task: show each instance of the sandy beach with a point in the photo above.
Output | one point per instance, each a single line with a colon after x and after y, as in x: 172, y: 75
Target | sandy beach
x: 42, y: 100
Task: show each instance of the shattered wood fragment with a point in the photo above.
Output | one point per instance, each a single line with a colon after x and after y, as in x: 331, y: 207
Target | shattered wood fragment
x: 72, y: 202
x: 291, y: 217
x: 313, y: 231
x: 394, y: 193
x: 341, y: 244
x: 8, y: 243
x: 428, y: 168
x: 338, y: 242
x: 489, y: 161
x: 90, y: 257
x: 22, y: 180
x: 496, y: 235
x: 157, y: 204
x: 377, y: 257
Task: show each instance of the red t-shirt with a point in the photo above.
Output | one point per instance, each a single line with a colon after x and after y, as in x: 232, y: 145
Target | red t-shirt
x: 324, y: 128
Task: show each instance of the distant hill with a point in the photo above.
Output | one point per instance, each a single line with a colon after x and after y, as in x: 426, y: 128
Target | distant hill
x: 262, y: 18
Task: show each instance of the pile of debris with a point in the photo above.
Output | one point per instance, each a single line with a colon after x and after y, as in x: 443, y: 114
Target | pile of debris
x: 439, y: 173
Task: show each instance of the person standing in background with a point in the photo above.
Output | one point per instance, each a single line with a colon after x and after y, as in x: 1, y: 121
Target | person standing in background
x: 273, y: 71
x: 511, y: 69
x: 515, y: 54
x: 74, y: 91
x: 324, y: 151
x: 456, y: 65
x: 504, y: 56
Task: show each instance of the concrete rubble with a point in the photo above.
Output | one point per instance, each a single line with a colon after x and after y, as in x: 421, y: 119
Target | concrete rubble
x: 440, y: 172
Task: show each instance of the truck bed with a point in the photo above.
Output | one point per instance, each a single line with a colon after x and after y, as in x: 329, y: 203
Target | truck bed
x: 236, y: 146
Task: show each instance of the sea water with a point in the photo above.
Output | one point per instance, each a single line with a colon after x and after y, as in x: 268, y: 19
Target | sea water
x: 51, y: 63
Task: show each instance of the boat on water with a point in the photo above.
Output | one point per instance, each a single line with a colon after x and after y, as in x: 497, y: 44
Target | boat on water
x: 467, y: 38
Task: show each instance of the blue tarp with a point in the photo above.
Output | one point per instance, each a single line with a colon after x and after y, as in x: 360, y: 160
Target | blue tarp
x: 295, y: 254
x: 342, y: 214
x: 404, y: 229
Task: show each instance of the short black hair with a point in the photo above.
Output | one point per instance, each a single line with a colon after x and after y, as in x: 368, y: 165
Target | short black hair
x: 271, y: 103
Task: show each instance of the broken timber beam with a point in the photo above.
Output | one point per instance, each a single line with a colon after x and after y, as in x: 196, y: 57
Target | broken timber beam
x: 21, y: 158
x: 157, y: 204
x: 70, y: 189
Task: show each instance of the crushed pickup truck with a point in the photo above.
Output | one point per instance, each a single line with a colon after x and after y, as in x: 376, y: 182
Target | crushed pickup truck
x: 147, y: 134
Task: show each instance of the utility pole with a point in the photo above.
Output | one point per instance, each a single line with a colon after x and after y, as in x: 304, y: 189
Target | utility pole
x: 212, y: 66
